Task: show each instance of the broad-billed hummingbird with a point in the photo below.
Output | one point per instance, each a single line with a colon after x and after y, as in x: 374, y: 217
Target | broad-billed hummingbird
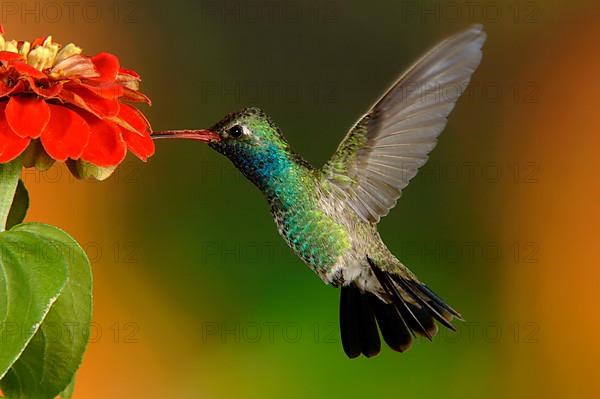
x: 329, y: 216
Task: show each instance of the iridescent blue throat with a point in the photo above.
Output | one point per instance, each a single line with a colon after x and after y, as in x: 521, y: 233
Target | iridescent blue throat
x: 281, y: 175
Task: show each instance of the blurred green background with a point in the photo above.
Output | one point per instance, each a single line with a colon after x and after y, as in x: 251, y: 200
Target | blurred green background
x: 196, y: 296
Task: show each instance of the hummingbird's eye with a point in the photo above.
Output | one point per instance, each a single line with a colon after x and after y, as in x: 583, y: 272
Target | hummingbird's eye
x: 235, y: 132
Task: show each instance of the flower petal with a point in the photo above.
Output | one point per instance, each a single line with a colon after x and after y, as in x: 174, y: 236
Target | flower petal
x: 130, y: 72
x: 40, y: 90
x: 106, y: 146
x: 75, y: 66
x: 7, y: 90
x: 27, y: 116
x: 10, y: 56
x: 66, y: 135
x: 38, y: 41
x: 141, y: 146
x: 108, y: 90
x: 107, y: 66
x: 132, y: 120
x: 129, y: 79
x: 11, y: 145
x: 135, y: 96
x: 72, y: 98
x: 102, y: 107
x: 28, y: 70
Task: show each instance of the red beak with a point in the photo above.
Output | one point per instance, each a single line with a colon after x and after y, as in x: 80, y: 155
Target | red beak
x: 200, y: 135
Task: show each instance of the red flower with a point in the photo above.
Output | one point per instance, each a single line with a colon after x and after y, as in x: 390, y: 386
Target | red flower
x: 71, y: 103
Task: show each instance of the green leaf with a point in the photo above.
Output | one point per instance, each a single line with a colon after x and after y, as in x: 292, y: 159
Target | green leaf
x: 68, y: 392
x: 29, y: 285
x: 48, y: 364
x: 19, y: 206
x: 9, y: 178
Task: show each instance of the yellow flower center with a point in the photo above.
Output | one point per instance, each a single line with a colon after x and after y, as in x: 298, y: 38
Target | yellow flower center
x: 45, y: 56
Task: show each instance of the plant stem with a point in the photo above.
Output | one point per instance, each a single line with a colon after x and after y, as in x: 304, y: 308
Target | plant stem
x: 9, y: 178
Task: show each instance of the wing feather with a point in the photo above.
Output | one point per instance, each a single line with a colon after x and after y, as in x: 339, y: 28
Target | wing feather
x: 385, y: 149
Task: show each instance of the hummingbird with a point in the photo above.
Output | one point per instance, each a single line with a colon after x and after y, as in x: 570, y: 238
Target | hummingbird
x: 329, y: 215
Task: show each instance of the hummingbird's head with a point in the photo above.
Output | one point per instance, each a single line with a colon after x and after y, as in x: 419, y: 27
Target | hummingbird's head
x: 246, y: 134
x: 250, y: 140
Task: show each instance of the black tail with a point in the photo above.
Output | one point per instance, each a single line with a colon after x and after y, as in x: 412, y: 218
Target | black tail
x: 398, y: 320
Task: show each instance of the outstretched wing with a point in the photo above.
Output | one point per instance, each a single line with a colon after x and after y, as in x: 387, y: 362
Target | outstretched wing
x: 385, y: 149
